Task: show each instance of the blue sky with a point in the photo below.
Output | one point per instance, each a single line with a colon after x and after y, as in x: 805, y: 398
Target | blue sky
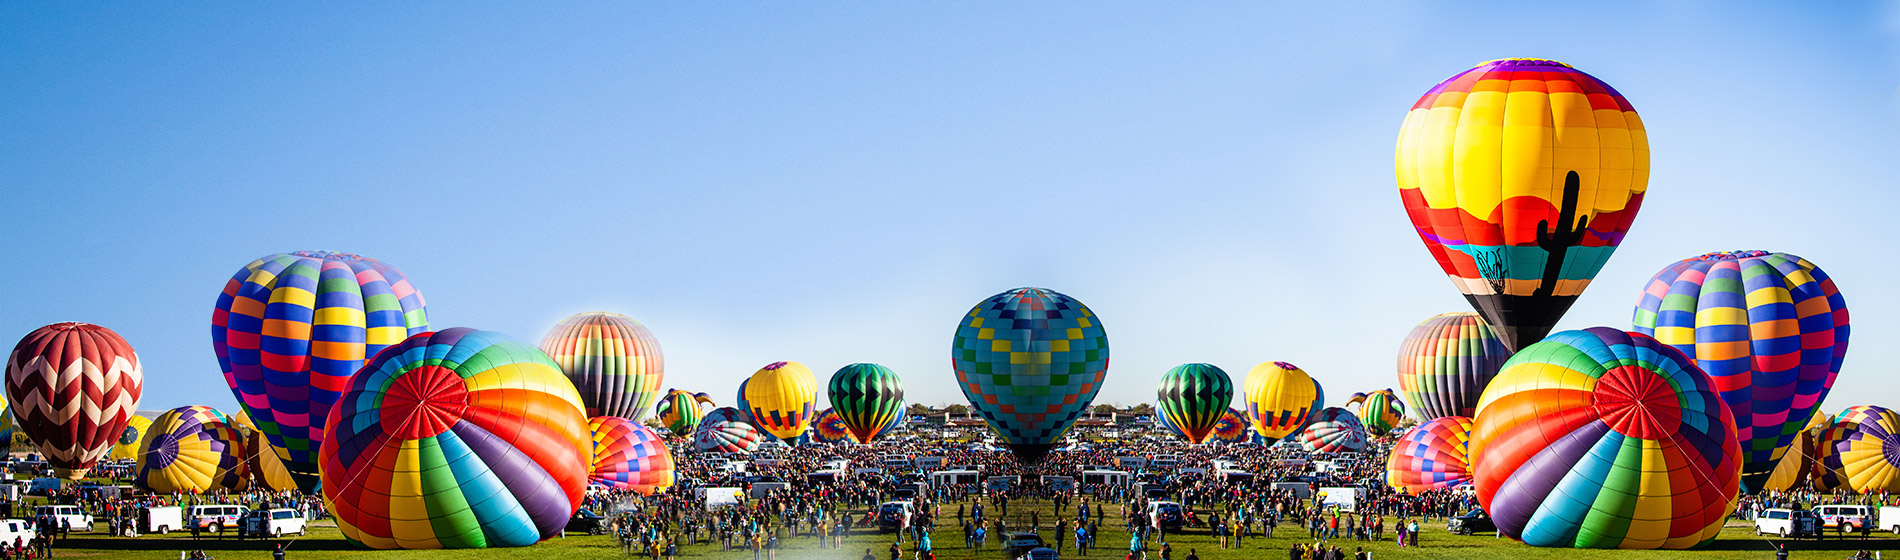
x: 839, y: 182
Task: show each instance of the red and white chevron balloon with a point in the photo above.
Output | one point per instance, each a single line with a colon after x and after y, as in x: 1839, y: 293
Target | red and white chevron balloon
x: 74, y: 387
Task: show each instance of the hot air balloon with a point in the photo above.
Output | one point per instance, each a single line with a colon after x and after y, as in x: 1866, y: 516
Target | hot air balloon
x: 1605, y: 439
x: 1800, y: 459
x: 1281, y: 399
x: 680, y: 411
x: 1521, y: 177
x: 127, y: 446
x: 1769, y: 328
x: 1195, y: 396
x: 1334, y: 430
x: 1857, y: 452
x: 1431, y: 456
x: 193, y: 450
x: 456, y: 439
x: 867, y: 397
x: 629, y: 456
x: 829, y: 428
x: 1232, y: 427
x: 725, y: 430
x: 290, y: 329
x: 612, y: 359
x: 1445, y: 363
x: 73, y: 388
x: 1030, y: 360
x: 781, y: 398
x: 1161, y: 419
x: 1380, y: 410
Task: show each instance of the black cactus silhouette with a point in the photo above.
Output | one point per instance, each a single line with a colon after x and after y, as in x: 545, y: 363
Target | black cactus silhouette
x: 1560, y: 241
x: 1491, y: 270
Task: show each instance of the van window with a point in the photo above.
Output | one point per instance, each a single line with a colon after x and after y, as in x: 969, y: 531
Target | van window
x: 1777, y: 515
x: 283, y: 515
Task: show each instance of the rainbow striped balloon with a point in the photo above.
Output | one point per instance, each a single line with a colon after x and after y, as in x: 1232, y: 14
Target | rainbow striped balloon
x: 1858, y: 452
x: 290, y: 329
x: 1334, y: 430
x: 613, y: 360
x: 629, y: 456
x: 1431, y: 456
x: 1605, y: 439
x: 456, y: 439
x: 1769, y: 328
x: 193, y: 450
x: 1446, y: 361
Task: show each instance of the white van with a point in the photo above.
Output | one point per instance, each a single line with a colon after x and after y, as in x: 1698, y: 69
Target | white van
x: 214, y: 518
x: 161, y: 520
x: 66, y: 516
x: 272, y: 523
x: 1788, y: 523
x: 16, y: 530
x: 1845, y: 518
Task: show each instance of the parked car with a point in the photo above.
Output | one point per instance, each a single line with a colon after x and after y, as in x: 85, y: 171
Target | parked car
x: 66, y: 516
x: 16, y: 530
x: 1020, y: 543
x: 890, y: 515
x: 1042, y: 553
x: 214, y: 518
x: 587, y: 522
x: 1787, y: 523
x: 1845, y: 518
x: 271, y: 523
x: 1168, y: 515
x: 1473, y: 521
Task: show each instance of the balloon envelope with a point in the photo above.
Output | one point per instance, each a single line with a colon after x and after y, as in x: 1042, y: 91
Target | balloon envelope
x: 1195, y: 397
x: 1446, y: 361
x: 290, y: 329
x: 1431, y: 456
x: 1281, y: 399
x: 829, y: 428
x: 725, y: 430
x: 1232, y: 427
x: 128, y: 444
x: 868, y: 398
x: 456, y: 439
x: 73, y: 388
x: 1521, y: 177
x: 1334, y: 430
x: 613, y: 360
x: 1380, y: 410
x: 1858, y: 452
x: 1605, y: 439
x: 629, y: 456
x: 782, y: 399
x: 680, y: 411
x: 1030, y: 360
x: 1769, y: 328
x: 192, y: 450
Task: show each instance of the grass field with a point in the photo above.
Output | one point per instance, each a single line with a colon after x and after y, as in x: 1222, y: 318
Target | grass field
x: 324, y: 542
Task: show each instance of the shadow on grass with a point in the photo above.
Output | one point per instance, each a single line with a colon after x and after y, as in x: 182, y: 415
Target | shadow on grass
x: 206, y: 543
x: 1830, y: 542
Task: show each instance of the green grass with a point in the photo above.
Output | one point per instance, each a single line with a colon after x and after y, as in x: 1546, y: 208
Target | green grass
x: 324, y: 542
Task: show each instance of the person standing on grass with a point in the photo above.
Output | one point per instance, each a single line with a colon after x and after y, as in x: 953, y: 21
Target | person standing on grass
x: 1062, y: 529
x: 1081, y: 539
x: 1411, y: 532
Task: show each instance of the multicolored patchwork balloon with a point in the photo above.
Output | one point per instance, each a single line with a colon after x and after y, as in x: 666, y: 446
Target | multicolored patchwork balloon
x: 867, y: 397
x: 1860, y: 452
x: 1521, y: 177
x: 629, y: 456
x: 456, y: 439
x: 290, y: 329
x: 1195, y: 397
x: 73, y: 388
x: 1380, y: 410
x: 192, y: 450
x: 1030, y: 360
x: 128, y: 444
x: 726, y: 430
x: 829, y: 428
x: 613, y: 360
x: 782, y: 399
x: 1334, y: 430
x: 1771, y: 330
x: 1232, y: 427
x: 1281, y: 399
x: 1446, y: 361
x: 1431, y: 456
x: 680, y: 411
x: 1601, y: 438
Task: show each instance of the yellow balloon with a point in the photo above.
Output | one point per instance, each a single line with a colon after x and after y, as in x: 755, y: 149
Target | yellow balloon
x: 191, y: 449
x: 1281, y: 398
x: 127, y: 446
x: 780, y: 397
x: 266, y: 466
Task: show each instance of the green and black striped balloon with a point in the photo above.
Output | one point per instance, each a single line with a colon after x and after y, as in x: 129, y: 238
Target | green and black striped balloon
x: 1194, y: 396
x: 867, y: 397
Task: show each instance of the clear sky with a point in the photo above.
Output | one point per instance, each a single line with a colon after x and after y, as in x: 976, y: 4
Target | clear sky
x: 835, y: 182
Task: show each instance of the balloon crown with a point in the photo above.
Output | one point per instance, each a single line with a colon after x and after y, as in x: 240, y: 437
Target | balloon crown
x: 774, y: 365
x: 1523, y: 62
x: 1286, y: 366
x: 1730, y: 255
